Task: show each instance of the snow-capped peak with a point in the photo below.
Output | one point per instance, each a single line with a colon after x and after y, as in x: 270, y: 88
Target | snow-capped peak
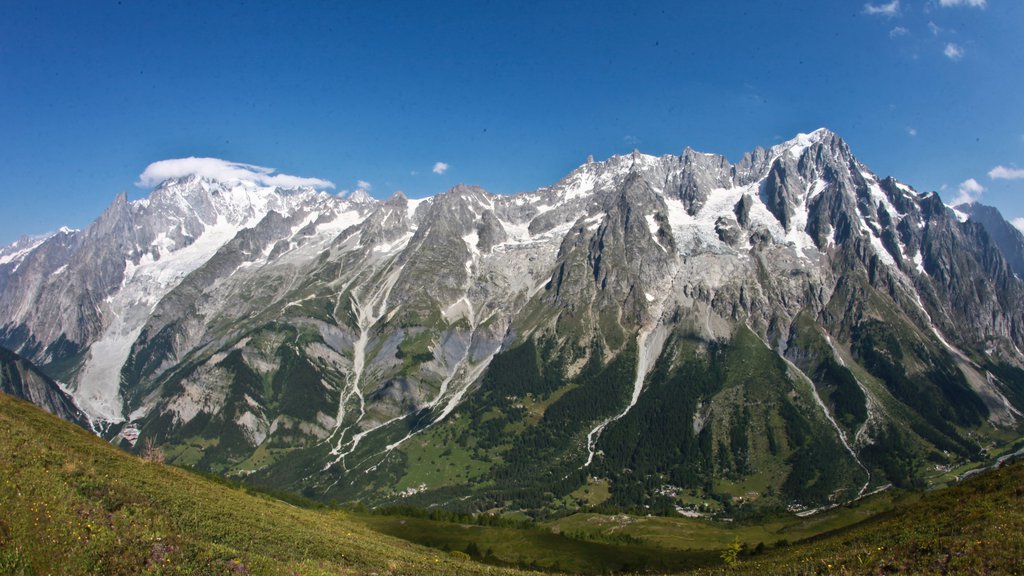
x: 801, y: 142
x: 360, y: 196
x: 21, y: 247
x: 240, y: 202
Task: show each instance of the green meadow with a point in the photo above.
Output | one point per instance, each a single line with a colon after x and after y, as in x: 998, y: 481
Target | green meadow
x: 72, y: 504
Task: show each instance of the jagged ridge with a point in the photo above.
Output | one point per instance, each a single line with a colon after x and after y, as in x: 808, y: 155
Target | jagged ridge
x: 325, y: 344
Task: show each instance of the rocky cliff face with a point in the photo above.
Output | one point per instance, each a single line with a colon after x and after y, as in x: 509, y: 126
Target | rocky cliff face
x: 789, y: 330
x: 19, y: 378
x: 1006, y: 237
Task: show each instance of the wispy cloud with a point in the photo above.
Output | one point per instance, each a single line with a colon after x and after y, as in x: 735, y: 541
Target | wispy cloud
x: 890, y: 9
x: 631, y: 140
x: 898, y: 31
x: 971, y: 3
x: 953, y: 52
x: 364, y: 185
x: 970, y: 191
x: 1018, y: 223
x: 1004, y: 173
x: 224, y: 171
x: 934, y: 28
x: 440, y: 167
x: 912, y: 131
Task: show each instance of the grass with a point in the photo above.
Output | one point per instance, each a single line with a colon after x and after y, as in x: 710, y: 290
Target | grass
x: 973, y: 528
x: 595, y: 492
x: 434, y: 460
x: 541, y: 548
x: 600, y: 544
x: 261, y: 457
x: 701, y: 534
x: 72, y: 504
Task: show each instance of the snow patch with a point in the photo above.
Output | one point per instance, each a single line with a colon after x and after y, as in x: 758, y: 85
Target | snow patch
x: 881, y: 251
x: 398, y: 244
x: 818, y: 188
x: 879, y: 197
x: 904, y: 188
x: 592, y: 223
x: 919, y: 262
x: 471, y: 240
x: 412, y: 205
x: 579, y: 185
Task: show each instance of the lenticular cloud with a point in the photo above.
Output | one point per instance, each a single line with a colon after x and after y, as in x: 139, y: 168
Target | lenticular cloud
x: 224, y: 171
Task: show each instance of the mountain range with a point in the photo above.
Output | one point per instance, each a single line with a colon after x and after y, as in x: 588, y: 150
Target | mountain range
x: 674, y: 334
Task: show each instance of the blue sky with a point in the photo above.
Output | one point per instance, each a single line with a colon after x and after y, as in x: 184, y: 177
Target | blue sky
x: 509, y: 95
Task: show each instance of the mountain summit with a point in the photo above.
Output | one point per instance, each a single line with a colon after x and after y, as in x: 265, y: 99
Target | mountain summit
x: 692, y: 334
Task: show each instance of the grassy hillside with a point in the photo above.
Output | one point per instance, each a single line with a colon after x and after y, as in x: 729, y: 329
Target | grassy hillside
x: 973, y: 528
x: 72, y: 504
x: 602, y: 543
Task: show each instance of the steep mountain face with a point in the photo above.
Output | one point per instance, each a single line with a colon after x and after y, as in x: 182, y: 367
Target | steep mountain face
x: 1006, y: 236
x: 77, y: 301
x: 674, y: 333
x: 19, y: 378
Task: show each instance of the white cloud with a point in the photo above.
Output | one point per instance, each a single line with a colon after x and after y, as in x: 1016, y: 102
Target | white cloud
x: 1004, y: 173
x: 898, y: 31
x: 953, y: 52
x: 890, y: 9
x: 936, y: 30
x: 912, y: 131
x: 970, y: 191
x: 440, y: 167
x: 364, y: 185
x: 1018, y: 223
x: 971, y: 3
x: 224, y: 171
x: 631, y: 140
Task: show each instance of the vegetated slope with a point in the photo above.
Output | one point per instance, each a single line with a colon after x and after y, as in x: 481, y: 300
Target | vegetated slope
x: 72, y: 504
x: 973, y: 528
